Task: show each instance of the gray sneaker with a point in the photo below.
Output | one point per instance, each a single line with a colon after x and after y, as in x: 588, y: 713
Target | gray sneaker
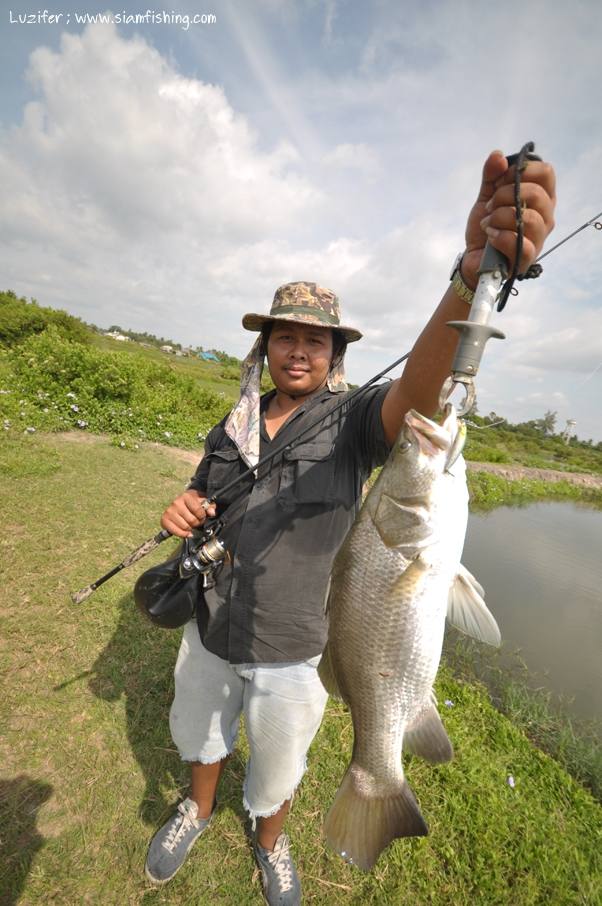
x: 281, y: 885
x: 172, y: 843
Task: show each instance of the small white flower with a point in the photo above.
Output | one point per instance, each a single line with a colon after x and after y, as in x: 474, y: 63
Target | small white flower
x: 74, y: 407
x: 45, y: 409
x: 510, y: 781
x: 122, y: 443
x: 22, y: 402
x: 71, y: 396
x: 167, y: 434
x: 81, y: 423
x: 448, y: 703
x: 136, y: 447
x: 29, y: 431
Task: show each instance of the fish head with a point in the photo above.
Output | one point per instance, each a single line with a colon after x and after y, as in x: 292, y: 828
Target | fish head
x: 423, y: 451
x: 409, y: 499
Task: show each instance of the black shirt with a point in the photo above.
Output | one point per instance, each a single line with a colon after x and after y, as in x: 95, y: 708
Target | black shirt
x: 268, y: 603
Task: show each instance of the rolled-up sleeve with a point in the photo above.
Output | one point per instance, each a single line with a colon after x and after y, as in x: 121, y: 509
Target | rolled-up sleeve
x: 365, y: 431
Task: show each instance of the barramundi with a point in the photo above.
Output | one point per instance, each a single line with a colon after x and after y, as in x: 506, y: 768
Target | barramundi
x: 394, y: 580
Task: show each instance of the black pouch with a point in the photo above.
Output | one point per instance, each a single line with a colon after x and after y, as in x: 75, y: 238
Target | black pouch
x: 165, y: 596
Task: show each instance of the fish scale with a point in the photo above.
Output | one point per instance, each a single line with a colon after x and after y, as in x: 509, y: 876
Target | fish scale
x: 393, y: 581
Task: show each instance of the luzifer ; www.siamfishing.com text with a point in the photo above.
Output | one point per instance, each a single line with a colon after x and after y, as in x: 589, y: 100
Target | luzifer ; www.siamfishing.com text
x: 149, y: 17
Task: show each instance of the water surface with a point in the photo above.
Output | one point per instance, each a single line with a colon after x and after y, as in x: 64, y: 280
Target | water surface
x: 541, y: 567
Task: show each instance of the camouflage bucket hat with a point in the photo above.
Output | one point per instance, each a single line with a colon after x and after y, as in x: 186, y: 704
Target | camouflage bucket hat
x: 305, y: 303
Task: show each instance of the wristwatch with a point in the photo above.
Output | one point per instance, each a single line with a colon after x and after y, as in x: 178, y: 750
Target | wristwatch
x: 458, y: 285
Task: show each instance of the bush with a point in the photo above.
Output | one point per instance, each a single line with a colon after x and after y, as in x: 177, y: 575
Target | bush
x: 52, y: 383
x: 483, y: 453
x: 20, y: 319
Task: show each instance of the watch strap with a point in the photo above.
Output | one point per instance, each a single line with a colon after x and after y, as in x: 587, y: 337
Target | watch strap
x: 459, y: 287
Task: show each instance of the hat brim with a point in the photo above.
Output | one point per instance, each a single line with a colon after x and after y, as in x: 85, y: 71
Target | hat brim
x: 255, y: 322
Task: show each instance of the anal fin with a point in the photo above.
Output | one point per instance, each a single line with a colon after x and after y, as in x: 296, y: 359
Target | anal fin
x: 427, y: 737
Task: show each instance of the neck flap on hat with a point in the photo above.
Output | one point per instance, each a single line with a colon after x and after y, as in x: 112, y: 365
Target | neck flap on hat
x: 242, y: 425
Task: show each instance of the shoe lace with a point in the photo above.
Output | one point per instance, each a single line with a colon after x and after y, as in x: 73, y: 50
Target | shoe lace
x: 181, y: 824
x: 280, y: 861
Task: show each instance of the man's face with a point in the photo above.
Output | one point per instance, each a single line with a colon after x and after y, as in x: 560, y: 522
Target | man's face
x: 299, y: 356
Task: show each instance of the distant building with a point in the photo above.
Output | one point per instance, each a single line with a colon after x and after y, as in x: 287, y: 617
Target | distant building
x: 117, y: 336
x: 166, y: 348
x: 208, y: 357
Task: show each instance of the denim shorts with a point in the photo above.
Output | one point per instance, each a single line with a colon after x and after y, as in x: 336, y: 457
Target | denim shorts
x: 282, y: 705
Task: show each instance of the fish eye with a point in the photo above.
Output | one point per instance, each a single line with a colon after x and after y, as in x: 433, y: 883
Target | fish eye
x: 404, y: 446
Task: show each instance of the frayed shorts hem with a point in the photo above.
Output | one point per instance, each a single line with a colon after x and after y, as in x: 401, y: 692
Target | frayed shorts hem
x: 203, y: 759
x: 254, y: 814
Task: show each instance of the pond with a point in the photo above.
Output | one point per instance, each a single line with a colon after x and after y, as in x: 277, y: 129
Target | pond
x: 541, y: 567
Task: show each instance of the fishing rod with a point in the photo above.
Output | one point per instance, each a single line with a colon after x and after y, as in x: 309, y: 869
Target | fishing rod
x: 211, y: 550
x: 474, y: 333
x: 597, y: 226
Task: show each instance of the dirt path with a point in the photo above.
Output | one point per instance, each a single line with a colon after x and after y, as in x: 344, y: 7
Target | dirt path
x: 516, y: 473
x: 512, y: 473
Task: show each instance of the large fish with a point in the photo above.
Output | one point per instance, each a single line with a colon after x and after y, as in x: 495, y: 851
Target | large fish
x: 393, y: 581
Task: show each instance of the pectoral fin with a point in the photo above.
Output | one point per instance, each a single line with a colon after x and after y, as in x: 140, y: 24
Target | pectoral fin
x: 467, y: 611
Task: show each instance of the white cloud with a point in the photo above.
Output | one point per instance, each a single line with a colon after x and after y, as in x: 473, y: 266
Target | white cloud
x: 349, y: 156
x: 126, y: 182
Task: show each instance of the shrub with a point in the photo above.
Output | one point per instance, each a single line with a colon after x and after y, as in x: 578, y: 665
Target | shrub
x: 20, y: 319
x: 56, y: 384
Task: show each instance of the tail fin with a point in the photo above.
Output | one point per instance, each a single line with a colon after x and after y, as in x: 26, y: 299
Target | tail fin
x: 360, y: 825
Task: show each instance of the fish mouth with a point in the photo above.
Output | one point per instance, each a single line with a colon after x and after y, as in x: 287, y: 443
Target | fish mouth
x: 432, y: 438
x: 449, y: 437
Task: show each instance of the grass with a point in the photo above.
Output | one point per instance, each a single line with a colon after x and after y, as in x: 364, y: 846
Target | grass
x: 89, y: 769
x: 209, y: 375
x: 545, y: 718
x: 488, y: 490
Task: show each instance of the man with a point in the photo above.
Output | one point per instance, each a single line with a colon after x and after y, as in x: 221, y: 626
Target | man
x: 261, y: 630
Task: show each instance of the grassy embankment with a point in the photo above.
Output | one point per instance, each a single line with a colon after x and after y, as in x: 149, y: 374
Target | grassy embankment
x: 89, y: 769
x: 57, y: 374
x: 488, y: 490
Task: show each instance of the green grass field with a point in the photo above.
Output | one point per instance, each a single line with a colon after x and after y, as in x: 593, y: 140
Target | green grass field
x: 89, y: 770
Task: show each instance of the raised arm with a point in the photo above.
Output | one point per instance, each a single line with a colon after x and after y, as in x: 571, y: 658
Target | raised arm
x: 492, y: 218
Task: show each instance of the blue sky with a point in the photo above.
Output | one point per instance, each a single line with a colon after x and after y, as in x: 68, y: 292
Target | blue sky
x: 169, y: 178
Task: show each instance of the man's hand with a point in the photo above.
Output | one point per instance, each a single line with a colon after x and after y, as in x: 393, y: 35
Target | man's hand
x: 493, y: 217
x: 187, y: 511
